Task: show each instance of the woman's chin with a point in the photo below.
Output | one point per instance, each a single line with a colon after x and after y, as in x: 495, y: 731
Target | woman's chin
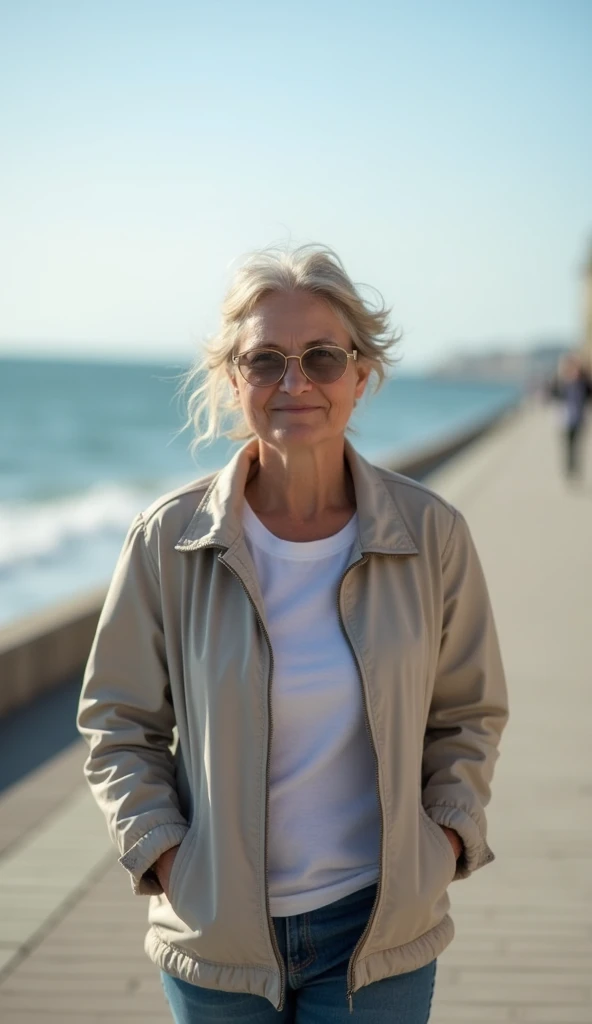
x: 295, y: 429
x: 298, y: 434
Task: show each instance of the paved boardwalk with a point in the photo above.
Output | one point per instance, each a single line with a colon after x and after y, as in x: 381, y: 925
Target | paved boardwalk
x: 71, y: 934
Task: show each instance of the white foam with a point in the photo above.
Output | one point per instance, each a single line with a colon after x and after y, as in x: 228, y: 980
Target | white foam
x: 41, y: 532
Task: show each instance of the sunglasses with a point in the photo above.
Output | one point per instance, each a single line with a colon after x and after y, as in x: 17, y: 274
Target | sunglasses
x: 323, y: 364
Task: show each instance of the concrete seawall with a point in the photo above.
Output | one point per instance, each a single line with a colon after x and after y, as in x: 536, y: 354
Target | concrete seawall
x: 46, y: 649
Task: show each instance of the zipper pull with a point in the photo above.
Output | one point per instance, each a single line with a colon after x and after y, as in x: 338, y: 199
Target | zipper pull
x: 350, y: 1000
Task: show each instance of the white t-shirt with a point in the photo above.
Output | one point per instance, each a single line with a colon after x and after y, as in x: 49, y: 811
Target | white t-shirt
x: 324, y: 818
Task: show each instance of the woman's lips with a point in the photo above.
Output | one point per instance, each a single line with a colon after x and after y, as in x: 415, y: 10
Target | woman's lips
x: 297, y: 408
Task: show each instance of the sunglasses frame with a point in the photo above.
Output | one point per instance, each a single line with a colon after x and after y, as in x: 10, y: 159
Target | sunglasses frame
x: 350, y: 355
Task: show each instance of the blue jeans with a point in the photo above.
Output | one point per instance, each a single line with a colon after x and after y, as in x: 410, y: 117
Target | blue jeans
x: 316, y: 948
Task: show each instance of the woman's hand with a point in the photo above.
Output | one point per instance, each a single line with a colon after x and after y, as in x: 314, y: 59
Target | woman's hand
x: 163, y: 866
x: 454, y: 840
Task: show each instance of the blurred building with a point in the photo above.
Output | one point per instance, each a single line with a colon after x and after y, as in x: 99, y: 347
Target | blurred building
x: 527, y: 367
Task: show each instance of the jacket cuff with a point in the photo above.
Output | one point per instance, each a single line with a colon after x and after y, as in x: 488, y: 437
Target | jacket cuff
x: 139, y: 859
x: 476, y: 853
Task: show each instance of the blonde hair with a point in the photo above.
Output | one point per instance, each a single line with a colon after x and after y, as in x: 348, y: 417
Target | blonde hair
x: 212, y: 410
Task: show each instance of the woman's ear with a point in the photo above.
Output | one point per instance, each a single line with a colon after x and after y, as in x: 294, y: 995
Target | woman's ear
x: 363, y: 371
x: 233, y: 384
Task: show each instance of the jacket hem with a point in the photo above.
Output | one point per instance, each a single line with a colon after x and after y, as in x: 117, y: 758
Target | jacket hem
x: 254, y: 979
x: 265, y: 981
x: 402, y: 959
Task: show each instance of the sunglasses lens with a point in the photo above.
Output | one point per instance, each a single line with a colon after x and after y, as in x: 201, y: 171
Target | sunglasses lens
x: 324, y: 365
x: 262, y: 367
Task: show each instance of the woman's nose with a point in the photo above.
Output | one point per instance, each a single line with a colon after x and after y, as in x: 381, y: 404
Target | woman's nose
x: 294, y: 380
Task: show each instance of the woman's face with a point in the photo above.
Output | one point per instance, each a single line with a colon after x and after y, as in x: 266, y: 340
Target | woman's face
x: 297, y: 412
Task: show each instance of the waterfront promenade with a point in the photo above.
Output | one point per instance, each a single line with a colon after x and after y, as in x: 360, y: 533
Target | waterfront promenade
x: 71, y: 933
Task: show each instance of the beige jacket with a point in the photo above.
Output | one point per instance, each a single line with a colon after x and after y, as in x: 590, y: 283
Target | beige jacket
x: 182, y: 642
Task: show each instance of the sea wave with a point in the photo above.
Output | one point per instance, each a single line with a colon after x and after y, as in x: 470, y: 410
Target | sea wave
x: 42, y: 532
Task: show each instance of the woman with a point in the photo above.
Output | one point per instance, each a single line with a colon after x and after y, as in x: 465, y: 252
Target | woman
x: 319, y: 633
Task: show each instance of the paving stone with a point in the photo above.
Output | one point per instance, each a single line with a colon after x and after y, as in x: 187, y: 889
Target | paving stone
x: 554, y: 1014
x: 73, y: 1016
x: 475, y: 1013
x: 104, y: 1002
x: 512, y: 992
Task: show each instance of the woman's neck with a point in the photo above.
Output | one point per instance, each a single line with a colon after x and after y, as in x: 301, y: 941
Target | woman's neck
x: 301, y: 485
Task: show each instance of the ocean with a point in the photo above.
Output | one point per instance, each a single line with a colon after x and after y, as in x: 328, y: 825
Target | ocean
x: 84, y: 446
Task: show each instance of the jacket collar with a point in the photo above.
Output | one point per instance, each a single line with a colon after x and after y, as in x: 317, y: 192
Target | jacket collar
x: 218, y: 519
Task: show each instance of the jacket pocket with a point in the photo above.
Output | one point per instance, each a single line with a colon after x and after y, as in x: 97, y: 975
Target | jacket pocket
x: 439, y: 836
x: 179, y: 863
x: 417, y: 876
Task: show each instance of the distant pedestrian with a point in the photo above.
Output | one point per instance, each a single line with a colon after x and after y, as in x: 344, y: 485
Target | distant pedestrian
x: 575, y: 389
x: 319, y: 632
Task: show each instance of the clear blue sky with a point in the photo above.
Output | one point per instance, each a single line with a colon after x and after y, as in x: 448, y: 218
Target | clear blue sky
x: 443, y: 148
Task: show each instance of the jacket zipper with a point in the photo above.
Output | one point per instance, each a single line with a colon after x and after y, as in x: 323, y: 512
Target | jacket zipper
x: 272, y: 935
x: 361, y: 940
x: 352, y: 962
